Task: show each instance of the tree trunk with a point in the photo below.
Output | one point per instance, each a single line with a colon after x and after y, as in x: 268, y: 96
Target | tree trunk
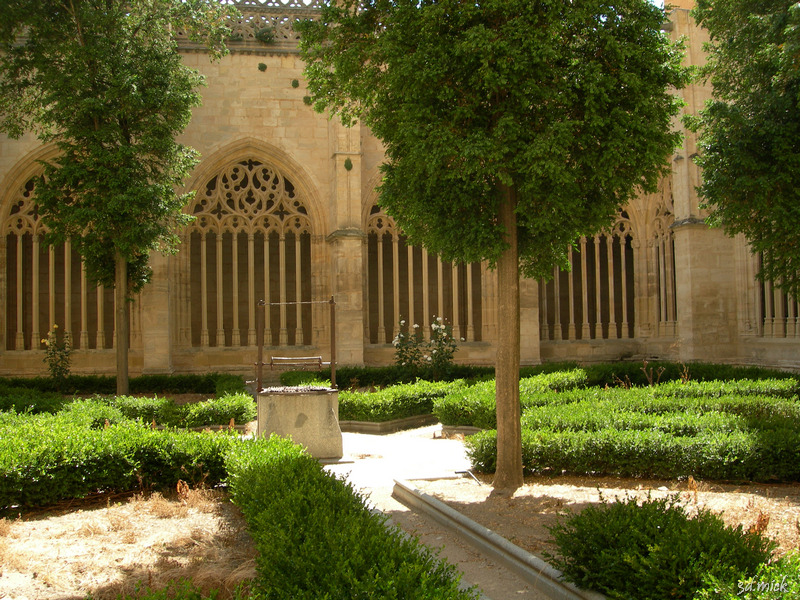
x: 121, y: 323
x: 508, y: 476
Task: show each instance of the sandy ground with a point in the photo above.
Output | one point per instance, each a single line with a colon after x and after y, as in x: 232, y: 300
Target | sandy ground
x: 124, y: 544
x: 525, y: 517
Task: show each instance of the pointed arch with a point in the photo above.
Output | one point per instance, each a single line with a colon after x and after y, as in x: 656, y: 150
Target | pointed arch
x: 257, y: 230
x: 44, y: 286
x: 253, y: 149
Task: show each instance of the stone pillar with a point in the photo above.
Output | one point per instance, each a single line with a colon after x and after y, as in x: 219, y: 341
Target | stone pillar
x: 528, y: 322
x: 706, y: 292
x: 346, y: 248
x: 705, y: 258
x: 156, y: 317
x: 346, y: 242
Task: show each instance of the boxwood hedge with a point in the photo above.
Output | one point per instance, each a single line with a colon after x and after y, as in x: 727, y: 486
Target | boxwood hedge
x: 163, y: 411
x: 47, y: 458
x: 475, y: 405
x: 770, y: 455
x: 653, y: 550
x: 316, y: 539
x: 213, y: 384
x: 394, y: 402
x: 315, y: 536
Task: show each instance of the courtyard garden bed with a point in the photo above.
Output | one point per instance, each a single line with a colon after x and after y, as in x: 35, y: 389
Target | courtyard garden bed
x: 313, y: 532
x: 680, y: 432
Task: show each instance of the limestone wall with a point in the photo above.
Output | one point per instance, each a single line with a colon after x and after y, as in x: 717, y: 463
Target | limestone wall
x: 689, y: 293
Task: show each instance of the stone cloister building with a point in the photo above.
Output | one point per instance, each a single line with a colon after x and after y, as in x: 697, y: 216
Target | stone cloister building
x: 286, y: 210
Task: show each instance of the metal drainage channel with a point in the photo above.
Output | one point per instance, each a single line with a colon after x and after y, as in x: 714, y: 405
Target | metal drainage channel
x: 534, y: 571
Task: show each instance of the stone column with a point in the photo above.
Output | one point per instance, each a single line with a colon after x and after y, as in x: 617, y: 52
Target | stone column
x: 705, y: 258
x: 706, y: 292
x: 156, y: 317
x: 346, y: 242
x: 528, y: 322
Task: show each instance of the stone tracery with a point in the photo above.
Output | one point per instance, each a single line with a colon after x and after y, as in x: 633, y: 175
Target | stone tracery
x: 47, y: 286
x: 250, y: 241
x: 405, y: 282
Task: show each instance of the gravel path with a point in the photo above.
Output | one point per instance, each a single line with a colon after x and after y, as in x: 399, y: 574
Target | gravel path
x: 372, y: 463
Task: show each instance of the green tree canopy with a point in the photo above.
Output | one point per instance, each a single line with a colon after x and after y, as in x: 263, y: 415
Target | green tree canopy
x: 750, y: 130
x: 565, y: 101
x: 509, y: 125
x: 103, y: 80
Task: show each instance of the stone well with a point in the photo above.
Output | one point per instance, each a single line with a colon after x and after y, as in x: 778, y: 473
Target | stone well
x: 309, y: 415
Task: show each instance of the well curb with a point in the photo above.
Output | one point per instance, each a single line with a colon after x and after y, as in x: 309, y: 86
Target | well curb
x: 533, y: 570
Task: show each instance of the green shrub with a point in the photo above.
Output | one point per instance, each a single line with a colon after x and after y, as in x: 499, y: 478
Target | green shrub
x: 212, y: 384
x: 296, y: 378
x: 348, y: 376
x: 24, y: 400
x: 770, y: 455
x: 354, y: 377
x: 46, y: 458
x: 652, y: 551
x: 778, y: 580
x: 58, y: 353
x: 475, y: 405
x: 551, y: 367
x: 394, y: 402
x: 613, y: 374
x: 316, y: 539
x: 226, y: 384
x: 433, y: 357
x: 161, y: 410
x: 786, y: 387
x: 164, y: 457
x: 93, y: 414
x: 219, y: 411
x: 694, y: 410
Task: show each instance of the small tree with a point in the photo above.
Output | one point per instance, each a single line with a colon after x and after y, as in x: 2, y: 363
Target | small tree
x: 749, y: 131
x: 103, y: 80
x: 511, y: 128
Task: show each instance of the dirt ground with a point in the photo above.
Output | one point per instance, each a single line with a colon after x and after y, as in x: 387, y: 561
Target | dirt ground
x: 123, y: 544
x: 525, y: 517
x: 120, y: 545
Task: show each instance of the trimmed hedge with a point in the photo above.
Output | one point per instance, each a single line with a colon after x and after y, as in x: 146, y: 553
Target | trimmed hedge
x: 602, y: 375
x: 778, y: 580
x: 315, y: 536
x: 46, y: 458
x: 217, y: 384
x: 653, y: 550
x: 26, y: 400
x: 395, y: 402
x: 769, y: 455
x: 475, y: 405
x: 217, y: 411
x: 640, y: 409
x: 354, y: 377
x: 610, y: 374
x: 316, y: 539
